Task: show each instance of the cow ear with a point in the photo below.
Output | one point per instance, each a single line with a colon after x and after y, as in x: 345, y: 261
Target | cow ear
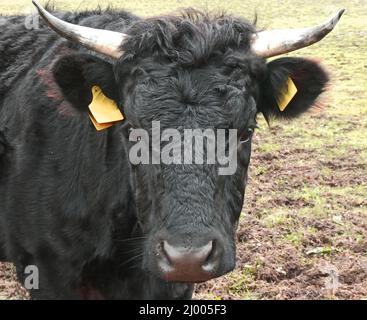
x: 77, y: 74
x: 291, y: 87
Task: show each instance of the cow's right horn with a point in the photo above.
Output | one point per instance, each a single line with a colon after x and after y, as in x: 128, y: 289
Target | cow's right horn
x: 102, y: 41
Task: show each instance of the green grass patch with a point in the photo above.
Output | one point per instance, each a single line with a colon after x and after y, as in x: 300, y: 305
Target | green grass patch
x: 276, y: 217
x: 239, y: 282
x: 294, y: 237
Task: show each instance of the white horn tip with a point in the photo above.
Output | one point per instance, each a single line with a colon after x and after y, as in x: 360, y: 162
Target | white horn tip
x: 36, y: 4
x: 39, y: 7
x: 338, y: 16
x: 340, y: 13
x: 335, y: 19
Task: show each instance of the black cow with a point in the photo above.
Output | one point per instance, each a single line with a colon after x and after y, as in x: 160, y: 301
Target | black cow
x: 71, y: 202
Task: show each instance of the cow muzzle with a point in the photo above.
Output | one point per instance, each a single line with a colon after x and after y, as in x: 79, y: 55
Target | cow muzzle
x: 178, y: 262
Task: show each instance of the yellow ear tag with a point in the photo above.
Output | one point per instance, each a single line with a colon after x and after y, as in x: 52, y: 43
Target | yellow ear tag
x: 100, y: 126
x: 103, y: 111
x: 288, y: 94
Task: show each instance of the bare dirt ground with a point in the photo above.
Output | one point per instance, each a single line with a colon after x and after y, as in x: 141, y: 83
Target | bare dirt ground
x: 303, y: 230
x: 305, y: 244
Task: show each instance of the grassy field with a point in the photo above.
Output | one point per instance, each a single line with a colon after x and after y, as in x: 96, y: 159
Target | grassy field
x: 303, y: 231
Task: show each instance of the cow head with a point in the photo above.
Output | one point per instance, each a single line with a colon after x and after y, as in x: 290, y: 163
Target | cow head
x: 191, y: 72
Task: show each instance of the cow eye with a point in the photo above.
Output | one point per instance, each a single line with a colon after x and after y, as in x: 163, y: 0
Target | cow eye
x: 247, y: 135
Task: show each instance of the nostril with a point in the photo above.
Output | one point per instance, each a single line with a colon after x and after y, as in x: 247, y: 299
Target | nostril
x: 207, y: 250
x: 164, y: 259
x: 211, y: 253
x: 170, y: 251
x: 212, y: 259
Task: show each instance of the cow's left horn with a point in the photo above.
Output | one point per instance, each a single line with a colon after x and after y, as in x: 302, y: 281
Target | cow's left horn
x: 274, y: 42
x: 103, y: 41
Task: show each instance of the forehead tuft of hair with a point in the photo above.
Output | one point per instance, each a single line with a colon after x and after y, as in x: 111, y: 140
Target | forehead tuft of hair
x: 189, y: 38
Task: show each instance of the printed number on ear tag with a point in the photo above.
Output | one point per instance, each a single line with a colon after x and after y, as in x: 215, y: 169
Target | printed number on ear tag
x: 104, y: 112
x: 288, y: 94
